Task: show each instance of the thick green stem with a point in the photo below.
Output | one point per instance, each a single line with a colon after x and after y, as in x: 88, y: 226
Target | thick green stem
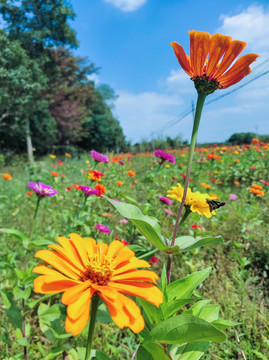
x: 198, y: 113
x: 94, y: 308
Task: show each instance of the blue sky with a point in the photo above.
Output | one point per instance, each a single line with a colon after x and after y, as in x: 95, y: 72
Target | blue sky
x: 129, y: 40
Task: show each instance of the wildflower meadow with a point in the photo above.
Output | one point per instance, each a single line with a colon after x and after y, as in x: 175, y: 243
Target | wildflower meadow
x: 152, y: 255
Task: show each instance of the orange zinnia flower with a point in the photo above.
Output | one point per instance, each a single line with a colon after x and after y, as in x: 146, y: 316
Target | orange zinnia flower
x: 7, y: 176
x: 101, y: 188
x: 131, y: 173
x: 221, y: 51
x: 82, y: 268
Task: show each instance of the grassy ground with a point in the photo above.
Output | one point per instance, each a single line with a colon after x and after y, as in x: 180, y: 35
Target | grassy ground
x: 240, y: 268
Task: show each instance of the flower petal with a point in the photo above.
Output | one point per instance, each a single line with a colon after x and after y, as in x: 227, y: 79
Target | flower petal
x: 199, y: 48
x: 77, y: 325
x: 146, y: 291
x: 76, y: 309
x: 238, y: 70
x: 72, y: 294
x: 68, y: 255
x: 79, y: 246
x: 46, y: 284
x: 218, y: 46
x: 124, y: 255
x: 58, y: 262
x: 182, y: 58
x: 132, y: 264
x: 144, y: 275
x: 234, y: 49
x: 114, y: 248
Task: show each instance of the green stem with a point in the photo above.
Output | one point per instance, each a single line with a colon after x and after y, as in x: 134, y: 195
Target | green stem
x: 94, y: 308
x: 147, y: 254
x: 198, y: 113
x: 34, y: 219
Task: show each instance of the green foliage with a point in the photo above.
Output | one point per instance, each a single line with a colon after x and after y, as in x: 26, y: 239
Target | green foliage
x: 241, y: 138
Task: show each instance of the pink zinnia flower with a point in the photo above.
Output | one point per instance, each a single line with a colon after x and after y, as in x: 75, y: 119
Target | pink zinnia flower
x: 124, y: 221
x: 99, y: 157
x: 233, y: 197
x: 165, y: 200
x: 164, y: 156
x: 102, y: 228
x: 88, y: 191
x: 168, y: 212
x: 42, y: 189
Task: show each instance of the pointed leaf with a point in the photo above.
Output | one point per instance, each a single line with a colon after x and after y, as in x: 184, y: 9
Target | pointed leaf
x: 183, y: 288
x: 222, y: 324
x: 184, y: 329
x: 190, y: 243
x: 11, y: 310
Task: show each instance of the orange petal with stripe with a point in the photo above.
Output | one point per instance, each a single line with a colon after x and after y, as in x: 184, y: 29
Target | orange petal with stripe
x: 199, y: 48
x: 218, y: 46
x: 235, y: 48
x: 238, y: 70
x: 182, y: 58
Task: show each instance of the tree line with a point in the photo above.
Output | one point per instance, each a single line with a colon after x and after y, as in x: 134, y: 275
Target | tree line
x: 47, y: 101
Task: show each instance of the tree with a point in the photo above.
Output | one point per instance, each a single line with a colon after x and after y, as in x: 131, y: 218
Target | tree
x: 71, y: 95
x: 21, y: 81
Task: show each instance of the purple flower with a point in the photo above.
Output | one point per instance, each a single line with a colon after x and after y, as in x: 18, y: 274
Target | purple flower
x: 102, y: 228
x: 233, y: 197
x: 117, y: 200
x: 42, y: 189
x: 164, y: 156
x: 168, y: 212
x: 165, y: 200
x: 88, y: 190
x: 121, y: 162
x: 99, y: 157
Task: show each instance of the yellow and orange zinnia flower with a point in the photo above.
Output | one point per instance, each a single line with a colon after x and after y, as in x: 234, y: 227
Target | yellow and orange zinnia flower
x: 211, y: 57
x: 82, y: 268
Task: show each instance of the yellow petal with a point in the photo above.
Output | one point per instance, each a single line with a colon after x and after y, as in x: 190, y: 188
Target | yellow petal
x: 76, y: 309
x: 72, y: 294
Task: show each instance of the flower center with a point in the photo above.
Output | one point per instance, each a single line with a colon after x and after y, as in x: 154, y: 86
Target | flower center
x: 99, y: 270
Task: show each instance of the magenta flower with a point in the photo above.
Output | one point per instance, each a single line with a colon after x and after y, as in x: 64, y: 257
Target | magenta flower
x: 121, y: 162
x: 117, y: 200
x: 233, y: 197
x: 165, y: 200
x: 42, y: 189
x: 88, y: 190
x: 164, y: 156
x: 102, y: 228
x: 99, y: 157
x: 168, y: 212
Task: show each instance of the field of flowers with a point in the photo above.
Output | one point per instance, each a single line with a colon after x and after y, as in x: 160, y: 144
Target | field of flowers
x: 238, y: 281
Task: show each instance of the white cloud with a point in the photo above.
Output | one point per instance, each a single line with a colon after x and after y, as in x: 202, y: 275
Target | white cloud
x: 127, y: 5
x: 177, y: 82
x: 251, y: 25
x: 95, y: 78
x: 144, y: 113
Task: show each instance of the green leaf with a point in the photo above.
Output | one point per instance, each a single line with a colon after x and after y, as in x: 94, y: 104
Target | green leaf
x: 222, y: 324
x: 172, y: 307
x: 131, y: 200
x: 153, y: 312
x: 11, y: 310
x: 196, y: 308
x: 147, y: 225
x: 183, y: 288
x: 210, y: 313
x: 152, y: 351
x: 18, y: 234
x: 21, y: 293
x: 193, y: 351
x: 190, y: 243
x: 184, y: 329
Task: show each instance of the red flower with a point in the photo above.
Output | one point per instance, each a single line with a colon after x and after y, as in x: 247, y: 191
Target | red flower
x: 154, y: 260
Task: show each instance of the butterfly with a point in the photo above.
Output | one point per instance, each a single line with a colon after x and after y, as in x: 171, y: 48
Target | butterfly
x: 214, y: 205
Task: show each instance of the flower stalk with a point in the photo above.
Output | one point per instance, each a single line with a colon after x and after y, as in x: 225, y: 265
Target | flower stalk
x: 198, y: 112
x: 94, y: 308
